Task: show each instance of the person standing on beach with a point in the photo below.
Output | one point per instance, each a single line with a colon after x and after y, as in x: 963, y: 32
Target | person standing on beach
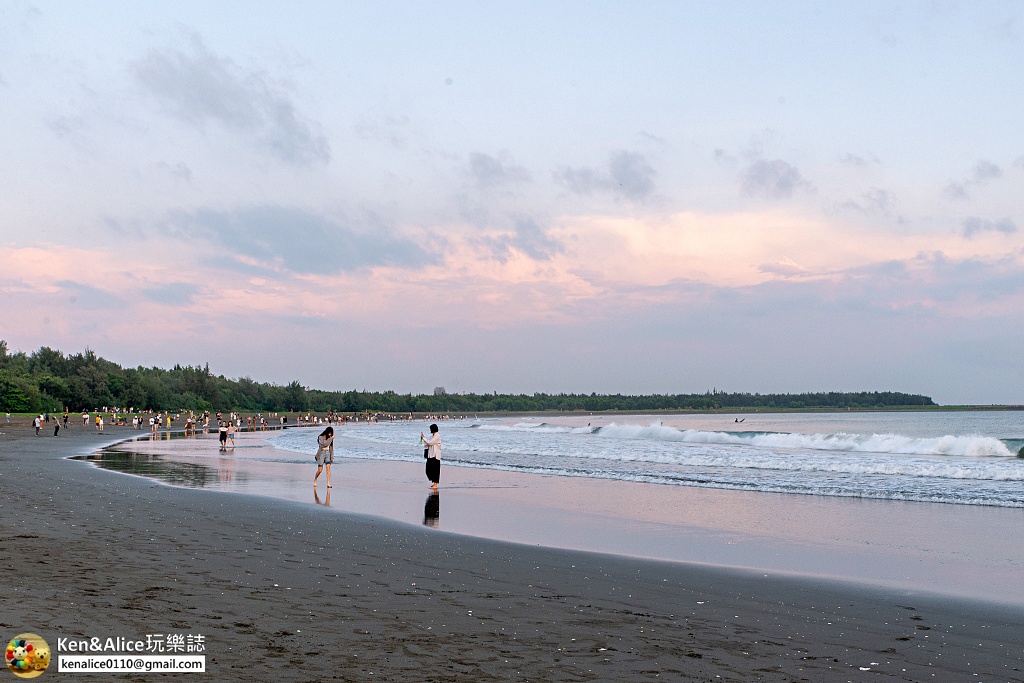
x: 231, y: 433
x: 433, y: 445
x: 324, y: 454
x: 222, y: 434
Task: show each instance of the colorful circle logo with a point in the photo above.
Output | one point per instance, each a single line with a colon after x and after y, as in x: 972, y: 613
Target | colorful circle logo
x: 28, y: 655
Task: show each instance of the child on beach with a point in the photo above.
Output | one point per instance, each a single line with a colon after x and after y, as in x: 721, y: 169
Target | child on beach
x: 324, y: 454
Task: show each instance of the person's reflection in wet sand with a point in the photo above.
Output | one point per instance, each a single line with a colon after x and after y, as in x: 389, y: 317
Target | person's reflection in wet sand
x: 432, y: 509
x: 327, y: 498
x: 226, y: 470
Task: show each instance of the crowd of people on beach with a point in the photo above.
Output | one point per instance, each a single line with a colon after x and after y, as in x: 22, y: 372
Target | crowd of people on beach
x: 156, y: 419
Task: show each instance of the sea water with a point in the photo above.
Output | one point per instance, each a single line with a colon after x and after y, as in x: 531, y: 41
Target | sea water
x: 966, y: 458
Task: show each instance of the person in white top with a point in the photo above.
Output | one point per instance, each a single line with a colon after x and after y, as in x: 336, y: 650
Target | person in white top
x: 433, y: 455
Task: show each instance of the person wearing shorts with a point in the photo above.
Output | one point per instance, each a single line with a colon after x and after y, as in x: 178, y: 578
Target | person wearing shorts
x: 324, y: 454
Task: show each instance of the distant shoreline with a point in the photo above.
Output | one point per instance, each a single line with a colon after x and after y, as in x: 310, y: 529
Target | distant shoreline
x: 729, y: 411
x: 25, y: 419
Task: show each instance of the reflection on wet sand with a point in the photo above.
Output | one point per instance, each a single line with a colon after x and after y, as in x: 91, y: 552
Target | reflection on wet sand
x: 390, y: 489
x: 172, y: 472
x: 226, y: 470
x: 432, y: 509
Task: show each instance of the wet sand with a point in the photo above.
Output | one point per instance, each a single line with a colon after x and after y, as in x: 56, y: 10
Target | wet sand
x: 295, y: 591
x: 956, y: 550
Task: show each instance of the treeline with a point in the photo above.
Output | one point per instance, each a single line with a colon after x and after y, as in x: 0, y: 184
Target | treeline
x: 48, y: 380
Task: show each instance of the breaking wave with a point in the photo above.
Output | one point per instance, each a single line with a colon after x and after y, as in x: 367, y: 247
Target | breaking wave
x: 964, y: 445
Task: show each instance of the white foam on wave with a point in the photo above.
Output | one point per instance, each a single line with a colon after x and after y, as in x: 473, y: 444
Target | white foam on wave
x: 862, y: 464
x: 541, y: 428
x: 851, y: 490
x: 883, y: 466
x: 967, y: 446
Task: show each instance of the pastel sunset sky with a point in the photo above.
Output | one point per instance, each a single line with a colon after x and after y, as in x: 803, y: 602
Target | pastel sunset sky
x: 636, y: 197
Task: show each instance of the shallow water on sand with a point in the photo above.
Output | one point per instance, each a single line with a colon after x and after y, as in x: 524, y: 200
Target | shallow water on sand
x: 958, y: 550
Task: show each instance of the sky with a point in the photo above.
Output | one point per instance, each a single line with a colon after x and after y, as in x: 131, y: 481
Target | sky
x: 656, y: 197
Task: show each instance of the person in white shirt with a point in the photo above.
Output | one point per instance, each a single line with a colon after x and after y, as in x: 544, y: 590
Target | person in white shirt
x: 433, y: 456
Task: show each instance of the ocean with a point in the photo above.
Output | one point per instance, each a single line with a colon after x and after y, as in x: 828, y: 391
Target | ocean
x: 960, y: 458
x: 919, y: 501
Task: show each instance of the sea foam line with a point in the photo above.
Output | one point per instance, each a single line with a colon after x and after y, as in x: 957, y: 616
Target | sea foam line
x: 973, y: 445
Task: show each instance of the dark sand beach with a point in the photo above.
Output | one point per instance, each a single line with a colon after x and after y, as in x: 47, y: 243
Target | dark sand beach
x: 293, y: 591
